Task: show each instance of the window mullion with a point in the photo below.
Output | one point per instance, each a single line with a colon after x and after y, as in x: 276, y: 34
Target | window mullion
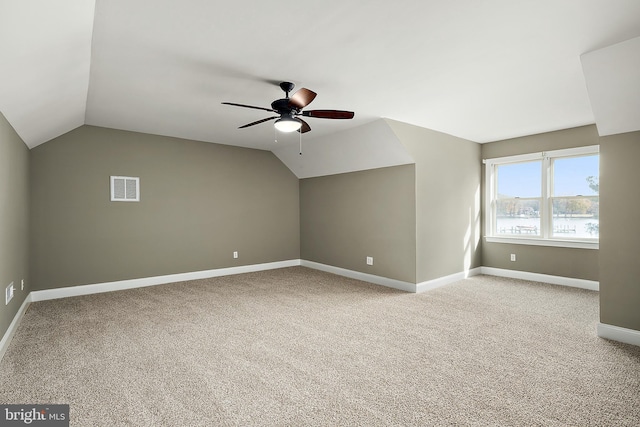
x: 492, y: 196
x: 547, y: 179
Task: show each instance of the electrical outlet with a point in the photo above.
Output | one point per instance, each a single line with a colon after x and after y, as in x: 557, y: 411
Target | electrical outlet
x: 235, y: 254
x: 8, y: 293
x: 369, y: 260
x: 513, y: 257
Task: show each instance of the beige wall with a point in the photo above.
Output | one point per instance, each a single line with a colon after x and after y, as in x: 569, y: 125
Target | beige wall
x: 420, y: 222
x: 199, y: 203
x: 447, y: 201
x: 565, y: 262
x: 347, y: 217
x: 202, y: 201
x: 14, y: 221
x: 620, y: 230
x: 554, y: 261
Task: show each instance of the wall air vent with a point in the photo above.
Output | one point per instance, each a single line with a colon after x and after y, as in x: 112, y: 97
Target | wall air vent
x: 125, y: 189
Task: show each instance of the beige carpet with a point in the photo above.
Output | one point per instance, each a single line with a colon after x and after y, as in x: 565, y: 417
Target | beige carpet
x: 301, y: 347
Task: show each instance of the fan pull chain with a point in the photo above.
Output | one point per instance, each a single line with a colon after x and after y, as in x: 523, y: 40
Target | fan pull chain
x: 275, y: 134
x: 300, y: 143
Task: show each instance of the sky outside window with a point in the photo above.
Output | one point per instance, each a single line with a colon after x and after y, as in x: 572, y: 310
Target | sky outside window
x: 520, y: 179
x: 570, y: 175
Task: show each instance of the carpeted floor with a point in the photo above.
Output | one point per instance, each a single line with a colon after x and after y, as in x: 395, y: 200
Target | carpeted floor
x: 301, y: 347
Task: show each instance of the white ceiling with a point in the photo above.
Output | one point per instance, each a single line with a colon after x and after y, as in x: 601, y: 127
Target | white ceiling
x: 479, y: 70
x: 45, y: 52
x: 370, y: 146
x: 613, y: 81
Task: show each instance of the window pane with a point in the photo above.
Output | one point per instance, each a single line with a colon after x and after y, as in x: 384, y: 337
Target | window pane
x: 519, y: 179
x: 576, y: 176
x: 576, y: 217
x: 518, y: 217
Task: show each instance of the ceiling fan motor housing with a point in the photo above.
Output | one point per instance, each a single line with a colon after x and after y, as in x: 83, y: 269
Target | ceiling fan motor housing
x: 283, y: 106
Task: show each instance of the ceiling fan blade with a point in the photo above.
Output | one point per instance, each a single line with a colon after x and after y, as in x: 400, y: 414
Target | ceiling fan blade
x: 258, y: 122
x: 305, y: 126
x: 302, y: 98
x: 250, y: 106
x: 329, y: 114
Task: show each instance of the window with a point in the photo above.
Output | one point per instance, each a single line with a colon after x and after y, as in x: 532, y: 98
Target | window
x: 549, y: 198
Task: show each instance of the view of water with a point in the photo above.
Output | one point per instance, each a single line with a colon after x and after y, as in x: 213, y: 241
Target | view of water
x: 563, y: 227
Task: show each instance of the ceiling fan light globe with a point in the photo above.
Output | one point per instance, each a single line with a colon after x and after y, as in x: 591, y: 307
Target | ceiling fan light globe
x: 287, y: 124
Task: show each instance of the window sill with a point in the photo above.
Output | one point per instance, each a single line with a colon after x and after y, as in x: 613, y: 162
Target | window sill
x: 544, y: 242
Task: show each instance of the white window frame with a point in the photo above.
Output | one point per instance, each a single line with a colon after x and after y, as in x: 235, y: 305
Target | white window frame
x: 545, y: 238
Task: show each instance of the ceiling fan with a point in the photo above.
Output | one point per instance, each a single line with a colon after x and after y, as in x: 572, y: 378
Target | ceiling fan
x: 290, y: 110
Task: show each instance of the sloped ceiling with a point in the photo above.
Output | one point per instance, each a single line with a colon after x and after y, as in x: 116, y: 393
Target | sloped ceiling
x: 45, y: 55
x: 613, y: 81
x: 370, y: 146
x: 482, y: 71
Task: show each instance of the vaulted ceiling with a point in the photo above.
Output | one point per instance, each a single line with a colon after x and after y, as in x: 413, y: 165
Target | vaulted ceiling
x: 479, y: 70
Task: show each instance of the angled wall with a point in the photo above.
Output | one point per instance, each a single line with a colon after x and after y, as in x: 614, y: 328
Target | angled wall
x: 447, y: 201
x: 14, y: 221
x: 420, y: 221
x: 199, y: 202
x: 620, y: 229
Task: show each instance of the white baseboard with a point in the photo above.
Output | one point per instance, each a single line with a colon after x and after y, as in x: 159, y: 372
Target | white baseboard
x: 616, y: 333
x: 546, y: 278
x: 97, y: 288
x: 392, y: 283
x: 605, y: 331
x: 371, y: 278
x: 446, y: 280
x: 6, y: 338
x: 73, y: 291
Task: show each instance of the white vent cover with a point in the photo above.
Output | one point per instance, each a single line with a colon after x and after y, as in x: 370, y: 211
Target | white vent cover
x: 125, y: 189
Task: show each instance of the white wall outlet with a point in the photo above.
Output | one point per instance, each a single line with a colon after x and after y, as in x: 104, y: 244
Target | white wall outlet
x: 369, y: 260
x: 235, y: 254
x: 8, y: 293
x: 513, y: 257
